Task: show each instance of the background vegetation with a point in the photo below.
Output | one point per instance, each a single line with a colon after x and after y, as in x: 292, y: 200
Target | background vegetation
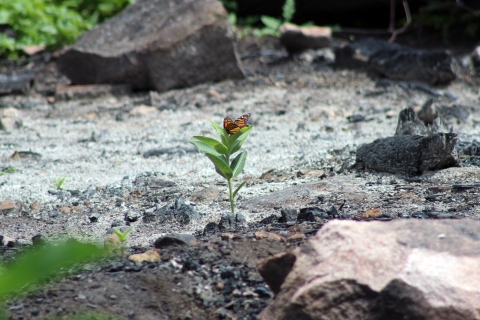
x: 56, y: 23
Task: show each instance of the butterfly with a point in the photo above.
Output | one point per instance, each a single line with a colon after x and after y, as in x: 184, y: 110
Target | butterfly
x: 234, y: 126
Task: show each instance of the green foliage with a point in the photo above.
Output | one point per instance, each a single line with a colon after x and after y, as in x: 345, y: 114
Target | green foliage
x: 38, y: 265
x: 272, y: 25
x: 7, y: 170
x: 52, y: 24
x: 59, y: 183
x: 219, y: 152
x: 288, y: 10
x: 446, y: 16
x: 122, y: 236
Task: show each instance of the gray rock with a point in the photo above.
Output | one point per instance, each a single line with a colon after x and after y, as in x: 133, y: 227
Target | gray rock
x: 175, y: 239
x: 296, y: 38
x: 132, y: 216
x: 93, y: 217
x: 409, y: 154
x: 156, y: 44
x: 288, y: 215
x: 404, y: 269
x: 397, y: 62
x: 10, y: 119
x: 226, y: 221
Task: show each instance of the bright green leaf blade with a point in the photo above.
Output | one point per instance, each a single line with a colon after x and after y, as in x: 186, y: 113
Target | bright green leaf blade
x: 238, y: 188
x: 205, y: 148
x: 270, y: 22
x: 217, y: 145
x: 39, y: 264
x: 238, y: 139
x: 288, y: 10
x: 221, y: 132
x: 221, y: 165
x: 238, y: 163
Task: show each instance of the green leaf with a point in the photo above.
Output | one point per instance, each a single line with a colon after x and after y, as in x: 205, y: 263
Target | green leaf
x: 41, y: 263
x: 221, y: 165
x: 237, y: 140
x: 205, y: 148
x: 288, y: 10
x: 238, y: 163
x: 238, y: 188
x: 217, y: 145
x: 222, y: 133
x: 232, y: 19
x: 271, y: 22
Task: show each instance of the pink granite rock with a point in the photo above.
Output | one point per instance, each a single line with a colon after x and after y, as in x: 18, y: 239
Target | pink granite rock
x: 408, y: 269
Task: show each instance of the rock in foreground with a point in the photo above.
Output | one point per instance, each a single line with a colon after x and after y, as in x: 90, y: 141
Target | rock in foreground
x: 380, y: 270
x: 156, y: 44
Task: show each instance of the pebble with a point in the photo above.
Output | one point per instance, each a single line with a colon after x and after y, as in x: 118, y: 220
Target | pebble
x: 148, y: 256
x: 7, y: 205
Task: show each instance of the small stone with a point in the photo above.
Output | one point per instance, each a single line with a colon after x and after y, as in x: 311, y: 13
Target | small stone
x: 94, y: 217
x: 226, y: 221
x: 227, y: 236
x: 7, y: 205
x: 5, y: 241
x: 288, y: 215
x: 148, y: 256
x: 270, y: 219
x: 82, y: 297
x: 132, y: 216
x: 368, y: 215
x: 35, y: 206
x: 220, y: 286
x: 211, y: 229
x: 65, y: 210
x: 240, y: 219
x: 297, y: 229
x: 175, y: 239
x: 297, y: 236
x: 143, y: 110
x: 113, y: 297
x: 112, y: 242
x: 296, y: 38
x: 205, y: 195
x: 38, y: 240
x: 262, y: 234
x: 117, y: 223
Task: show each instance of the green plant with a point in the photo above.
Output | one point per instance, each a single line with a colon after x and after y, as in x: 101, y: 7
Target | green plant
x: 51, y: 23
x: 59, y: 183
x: 122, y: 237
x: 219, y: 152
x: 450, y: 15
x: 37, y: 265
x: 7, y: 170
x: 272, y: 25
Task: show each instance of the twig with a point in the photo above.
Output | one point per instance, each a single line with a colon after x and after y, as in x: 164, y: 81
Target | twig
x: 405, y: 26
x: 460, y: 4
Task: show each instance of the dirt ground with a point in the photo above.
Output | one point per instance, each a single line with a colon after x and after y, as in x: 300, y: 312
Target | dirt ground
x: 301, y: 154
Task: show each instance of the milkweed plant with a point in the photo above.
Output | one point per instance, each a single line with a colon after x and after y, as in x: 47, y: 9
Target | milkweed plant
x: 220, y: 153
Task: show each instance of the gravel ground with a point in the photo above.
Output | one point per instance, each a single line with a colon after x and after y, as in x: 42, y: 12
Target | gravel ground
x: 300, y: 153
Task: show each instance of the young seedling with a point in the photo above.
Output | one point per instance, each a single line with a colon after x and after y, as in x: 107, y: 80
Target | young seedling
x: 122, y: 237
x: 59, y: 183
x: 220, y: 152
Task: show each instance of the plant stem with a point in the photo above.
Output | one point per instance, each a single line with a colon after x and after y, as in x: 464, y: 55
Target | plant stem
x: 232, y: 203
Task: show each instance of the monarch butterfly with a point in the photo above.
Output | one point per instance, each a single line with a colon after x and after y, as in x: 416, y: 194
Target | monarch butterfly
x: 234, y: 126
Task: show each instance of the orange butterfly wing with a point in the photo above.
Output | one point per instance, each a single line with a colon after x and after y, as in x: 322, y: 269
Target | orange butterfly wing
x: 234, y: 126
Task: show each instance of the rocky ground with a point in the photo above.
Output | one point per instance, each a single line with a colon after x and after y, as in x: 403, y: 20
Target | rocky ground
x: 127, y: 162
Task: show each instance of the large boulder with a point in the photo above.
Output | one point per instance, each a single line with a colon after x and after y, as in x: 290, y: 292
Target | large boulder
x: 156, y: 44
x: 409, y: 269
